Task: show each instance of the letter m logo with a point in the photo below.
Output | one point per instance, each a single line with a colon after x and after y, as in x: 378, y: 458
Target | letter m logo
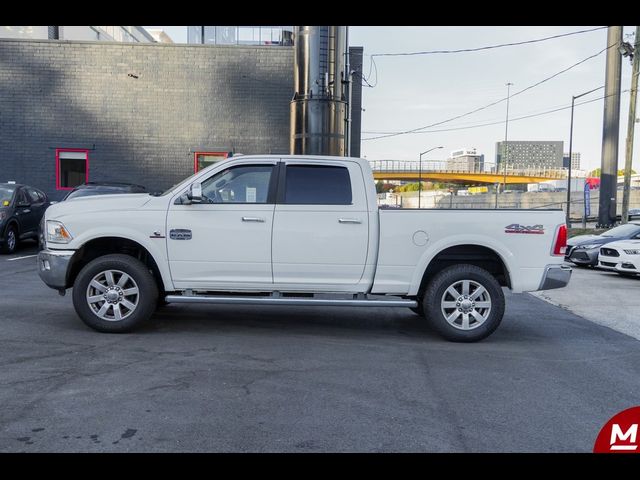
x: 629, y: 437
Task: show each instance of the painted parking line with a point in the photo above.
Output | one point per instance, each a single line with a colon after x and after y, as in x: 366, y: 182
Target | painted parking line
x: 20, y: 258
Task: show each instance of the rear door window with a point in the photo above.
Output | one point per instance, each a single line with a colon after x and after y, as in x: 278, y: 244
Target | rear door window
x: 317, y: 185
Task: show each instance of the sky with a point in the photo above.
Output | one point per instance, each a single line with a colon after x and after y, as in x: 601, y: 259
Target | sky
x: 414, y: 91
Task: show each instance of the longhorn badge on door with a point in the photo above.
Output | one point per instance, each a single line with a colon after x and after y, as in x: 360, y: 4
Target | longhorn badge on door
x: 180, y: 234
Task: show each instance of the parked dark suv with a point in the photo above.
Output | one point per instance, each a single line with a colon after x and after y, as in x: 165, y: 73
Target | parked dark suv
x: 21, y: 208
x: 103, y: 188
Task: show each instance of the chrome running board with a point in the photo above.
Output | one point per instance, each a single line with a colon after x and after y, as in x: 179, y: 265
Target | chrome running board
x: 357, y: 301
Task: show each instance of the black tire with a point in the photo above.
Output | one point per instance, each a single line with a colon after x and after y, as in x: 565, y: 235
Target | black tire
x: 434, y: 296
x: 9, y: 246
x: 147, y: 296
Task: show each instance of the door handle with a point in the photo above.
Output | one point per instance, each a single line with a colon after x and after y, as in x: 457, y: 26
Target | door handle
x: 253, y: 219
x: 349, y: 220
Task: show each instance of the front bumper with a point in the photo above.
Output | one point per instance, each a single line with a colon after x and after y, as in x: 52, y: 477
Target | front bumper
x: 582, y: 256
x: 53, y: 266
x: 555, y: 276
x: 622, y: 264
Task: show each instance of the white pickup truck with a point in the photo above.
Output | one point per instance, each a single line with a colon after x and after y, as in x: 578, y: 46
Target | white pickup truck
x: 295, y: 230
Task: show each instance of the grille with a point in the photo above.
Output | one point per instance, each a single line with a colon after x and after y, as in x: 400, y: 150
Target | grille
x: 580, y: 255
x: 607, y: 264
x: 609, y: 252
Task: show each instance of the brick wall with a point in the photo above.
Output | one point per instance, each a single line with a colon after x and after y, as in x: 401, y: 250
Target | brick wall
x: 186, y: 98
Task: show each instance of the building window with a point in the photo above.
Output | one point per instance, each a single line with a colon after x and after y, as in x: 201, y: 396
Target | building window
x: 72, y: 168
x: 204, y: 159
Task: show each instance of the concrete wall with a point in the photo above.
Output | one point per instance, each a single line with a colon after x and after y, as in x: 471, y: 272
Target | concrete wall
x: 512, y: 200
x: 140, y: 109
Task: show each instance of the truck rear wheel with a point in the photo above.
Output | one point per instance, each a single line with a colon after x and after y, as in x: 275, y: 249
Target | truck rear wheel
x: 464, y: 303
x: 115, y: 294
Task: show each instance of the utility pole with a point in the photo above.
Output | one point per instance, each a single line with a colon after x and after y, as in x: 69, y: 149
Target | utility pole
x: 610, y: 130
x: 346, y: 82
x: 626, y: 192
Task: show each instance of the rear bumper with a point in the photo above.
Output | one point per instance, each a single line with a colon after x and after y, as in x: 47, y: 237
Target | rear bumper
x: 555, y: 276
x: 53, y: 266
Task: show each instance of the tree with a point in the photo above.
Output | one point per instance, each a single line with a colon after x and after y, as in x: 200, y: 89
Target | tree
x: 596, y: 173
x: 382, y: 187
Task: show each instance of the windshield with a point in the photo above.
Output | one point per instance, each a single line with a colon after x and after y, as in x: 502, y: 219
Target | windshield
x: 189, y: 178
x: 6, y: 194
x: 626, y: 230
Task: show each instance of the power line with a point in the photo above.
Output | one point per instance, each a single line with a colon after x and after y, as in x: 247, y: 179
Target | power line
x: 488, y: 121
x: 488, y: 47
x: 514, y: 119
x: 493, y: 103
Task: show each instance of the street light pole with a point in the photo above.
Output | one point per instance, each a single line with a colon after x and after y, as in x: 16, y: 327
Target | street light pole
x: 420, y: 173
x: 573, y: 101
x: 506, y: 146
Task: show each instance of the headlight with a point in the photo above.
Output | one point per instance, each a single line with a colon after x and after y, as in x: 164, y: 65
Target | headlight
x: 587, y: 247
x: 632, y: 252
x: 57, y: 233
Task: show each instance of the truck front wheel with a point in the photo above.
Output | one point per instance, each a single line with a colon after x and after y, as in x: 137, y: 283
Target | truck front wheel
x: 115, y: 294
x: 464, y: 303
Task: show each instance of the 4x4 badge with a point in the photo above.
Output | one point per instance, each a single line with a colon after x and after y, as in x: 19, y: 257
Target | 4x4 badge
x: 517, y: 228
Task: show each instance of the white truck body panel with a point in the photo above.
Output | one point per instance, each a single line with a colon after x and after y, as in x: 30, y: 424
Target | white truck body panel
x: 403, y: 259
x: 353, y: 248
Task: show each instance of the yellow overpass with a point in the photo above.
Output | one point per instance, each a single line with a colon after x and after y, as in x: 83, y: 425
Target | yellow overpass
x: 438, y: 171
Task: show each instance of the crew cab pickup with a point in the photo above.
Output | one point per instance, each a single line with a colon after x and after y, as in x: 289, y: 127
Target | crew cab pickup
x: 295, y: 230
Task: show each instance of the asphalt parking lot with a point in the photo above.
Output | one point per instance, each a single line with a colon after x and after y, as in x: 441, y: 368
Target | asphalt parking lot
x: 254, y: 379
x: 602, y: 296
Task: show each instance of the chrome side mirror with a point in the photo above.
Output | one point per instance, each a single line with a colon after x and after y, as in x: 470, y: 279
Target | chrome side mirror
x: 196, y: 192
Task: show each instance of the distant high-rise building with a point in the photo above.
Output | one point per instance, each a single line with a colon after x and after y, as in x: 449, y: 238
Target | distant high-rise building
x: 465, y: 159
x: 575, y: 160
x: 103, y: 33
x: 530, y: 154
x: 240, y: 35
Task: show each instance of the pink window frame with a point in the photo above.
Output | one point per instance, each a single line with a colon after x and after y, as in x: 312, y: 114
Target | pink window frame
x: 86, y: 171
x: 195, y: 158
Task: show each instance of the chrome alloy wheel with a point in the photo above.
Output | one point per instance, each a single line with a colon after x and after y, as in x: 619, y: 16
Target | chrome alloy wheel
x: 466, y: 304
x: 11, y: 240
x: 112, y: 295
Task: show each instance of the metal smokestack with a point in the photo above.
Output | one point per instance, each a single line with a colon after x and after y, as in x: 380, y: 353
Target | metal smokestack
x: 319, y: 105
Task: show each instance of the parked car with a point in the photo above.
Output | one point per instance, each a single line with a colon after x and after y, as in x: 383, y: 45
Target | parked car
x: 634, y: 213
x: 103, y: 188
x: 583, y: 250
x: 622, y: 256
x: 294, y: 230
x: 21, y: 209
